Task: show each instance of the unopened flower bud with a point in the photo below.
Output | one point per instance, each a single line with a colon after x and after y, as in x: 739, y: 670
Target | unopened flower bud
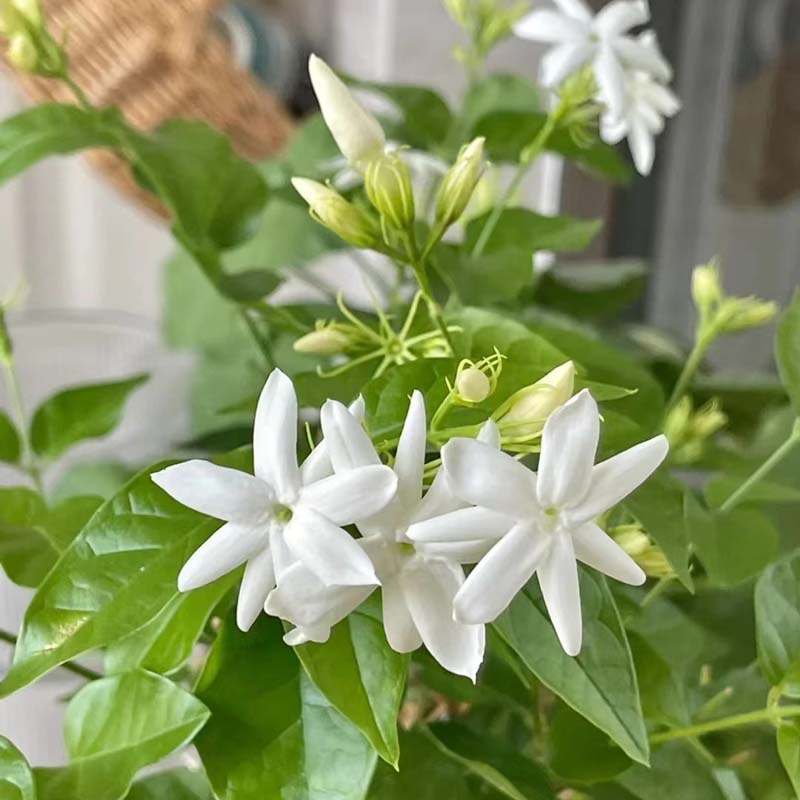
x: 706, y: 288
x: 678, y: 420
x: 743, y: 313
x: 358, y: 135
x: 459, y: 10
x: 388, y: 184
x: 330, y: 209
x: 325, y: 341
x: 31, y: 10
x: 523, y: 415
x: 637, y: 544
x: 22, y: 53
x: 472, y: 385
x: 460, y: 182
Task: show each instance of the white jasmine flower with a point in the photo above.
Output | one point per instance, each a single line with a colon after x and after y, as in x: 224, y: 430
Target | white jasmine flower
x: 273, y: 518
x: 647, y: 105
x: 554, y: 511
x: 358, y: 135
x: 580, y: 37
x: 418, y: 585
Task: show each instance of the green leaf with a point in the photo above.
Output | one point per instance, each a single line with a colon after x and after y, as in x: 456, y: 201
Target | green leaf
x: 248, y: 286
x: 116, y: 726
x: 777, y: 599
x: 10, y: 446
x: 509, y: 132
x: 362, y: 677
x: 661, y: 689
x: 659, y: 506
x: 74, y: 415
x: 165, y: 643
x: 492, y: 761
x: 494, y: 93
x: 32, y: 537
x: 16, y: 777
x: 600, y: 684
x: 580, y: 752
x: 521, y: 229
x: 118, y: 574
x: 734, y: 546
x: 722, y: 486
x: 789, y: 751
x: 53, y: 129
x: 272, y: 734
x: 787, y: 347
x: 177, y: 784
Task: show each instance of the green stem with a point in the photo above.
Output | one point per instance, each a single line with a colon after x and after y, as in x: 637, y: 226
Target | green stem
x: 81, y: 96
x: 527, y: 159
x: 656, y: 591
x: 726, y: 723
x: 69, y: 666
x: 690, y: 368
x: 261, y: 341
x: 764, y: 469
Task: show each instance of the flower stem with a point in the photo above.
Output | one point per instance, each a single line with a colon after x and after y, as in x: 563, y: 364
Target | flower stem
x: 527, y: 158
x: 261, y: 341
x: 764, y: 470
x: 83, y: 99
x: 762, y: 715
x: 690, y: 368
x: 69, y: 666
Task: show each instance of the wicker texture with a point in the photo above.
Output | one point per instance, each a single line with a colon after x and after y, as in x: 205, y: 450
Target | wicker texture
x: 156, y: 60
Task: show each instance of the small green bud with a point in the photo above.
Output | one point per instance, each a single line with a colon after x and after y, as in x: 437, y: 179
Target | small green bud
x: 472, y: 385
x: 678, y: 420
x: 706, y: 288
x: 637, y: 544
x: 459, y: 10
x: 459, y: 184
x: 327, y: 340
x: 330, y: 209
x: 388, y: 184
x: 743, y: 313
x: 22, y: 53
x: 31, y: 10
x: 524, y: 414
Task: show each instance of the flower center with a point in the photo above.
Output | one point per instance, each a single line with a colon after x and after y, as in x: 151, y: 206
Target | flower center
x: 281, y: 513
x: 550, y: 520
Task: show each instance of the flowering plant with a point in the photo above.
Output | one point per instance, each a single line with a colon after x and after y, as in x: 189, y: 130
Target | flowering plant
x: 518, y: 550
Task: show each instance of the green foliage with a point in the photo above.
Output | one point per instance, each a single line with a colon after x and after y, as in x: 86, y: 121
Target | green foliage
x: 10, y: 446
x: 271, y: 729
x: 788, y: 351
x: 16, y: 777
x: 177, y: 784
x: 113, y: 728
x: 74, y: 415
x: 600, y: 684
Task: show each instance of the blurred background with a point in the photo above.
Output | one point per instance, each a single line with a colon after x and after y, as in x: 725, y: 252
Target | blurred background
x: 726, y: 182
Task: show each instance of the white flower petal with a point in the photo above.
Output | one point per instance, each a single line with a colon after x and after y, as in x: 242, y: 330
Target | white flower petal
x: 429, y: 586
x: 327, y: 550
x: 612, y: 131
x: 348, y: 444
x: 620, y: 16
x: 509, y: 565
x: 545, y: 25
x: 439, y: 499
x: 282, y: 559
x: 489, y: 434
x: 564, y: 60
x: 318, y: 464
x: 663, y: 99
x: 558, y: 579
x: 358, y: 134
x: 643, y: 54
x: 275, y: 435
x: 614, y: 479
x: 351, y: 496
x: 409, y: 463
x: 595, y: 548
x: 643, y: 146
x: 219, y: 492
x: 569, y: 445
x: 257, y: 583
x: 610, y: 79
x: 576, y: 9
x: 463, y: 525
x: 460, y: 552
x: 483, y: 476
x: 401, y: 632
x: 227, y: 549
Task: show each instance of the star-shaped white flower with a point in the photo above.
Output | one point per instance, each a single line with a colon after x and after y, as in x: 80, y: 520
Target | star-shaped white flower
x: 553, y: 511
x: 647, y: 105
x: 579, y: 38
x: 419, y: 582
x: 274, y: 518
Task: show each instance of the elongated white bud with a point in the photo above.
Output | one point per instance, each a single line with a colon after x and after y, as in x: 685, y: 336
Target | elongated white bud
x: 357, y: 133
x: 388, y: 184
x: 459, y: 183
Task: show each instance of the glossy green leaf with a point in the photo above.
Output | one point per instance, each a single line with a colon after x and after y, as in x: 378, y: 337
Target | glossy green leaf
x: 116, y: 726
x: 362, y: 677
x: 789, y: 751
x: 74, y: 415
x: 32, y: 537
x: 53, y: 129
x: 177, y: 784
x: 659, y: 506
x: 16, y: 776
x: 500, y: 767
x: 661, y: 688
x: 787, y: 347
x: 248, y: 286
x: 272, y: 734
x: 492, y: 94
x: 734, y: 546
x: 600, y: 684
x: 165, y: 643
x: 118, y: 574
x: 777, y: 600
x: 10, y: 447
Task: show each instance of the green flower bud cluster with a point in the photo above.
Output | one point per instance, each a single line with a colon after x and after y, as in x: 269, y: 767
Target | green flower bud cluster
x: 637, y: 544
x: 388, y: 184
x: 458, y: 186
x: 688, y: 429
x: 31, y: 48
x: 476, y: 381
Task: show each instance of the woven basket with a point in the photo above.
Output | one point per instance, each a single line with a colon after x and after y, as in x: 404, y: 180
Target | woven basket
x: 156, y: 60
